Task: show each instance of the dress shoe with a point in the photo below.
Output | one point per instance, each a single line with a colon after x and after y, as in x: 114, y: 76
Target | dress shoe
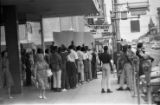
x: 120, y: 89
x: 102, y: 91
x: 109, y: 91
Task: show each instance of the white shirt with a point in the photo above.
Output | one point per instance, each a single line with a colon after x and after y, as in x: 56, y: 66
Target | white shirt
x: 72, y: 56
x: 80, y: 55
x: 85, y: 56
x: 89, y: 55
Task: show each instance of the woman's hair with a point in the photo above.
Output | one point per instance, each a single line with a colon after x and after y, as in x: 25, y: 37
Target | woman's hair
x: 3, y: 53
x: 79, y: 48
x: 47, y: 51
x: 63, y: 48
x: 83, y: 49
x: 40, y: 51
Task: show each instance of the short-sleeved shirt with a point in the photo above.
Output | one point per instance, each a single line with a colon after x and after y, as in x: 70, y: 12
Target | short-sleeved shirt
x: 80, y: 55
x: 89, y: 55
x: 105, y: 57
x: 72, y: 56
x: 86, y: 57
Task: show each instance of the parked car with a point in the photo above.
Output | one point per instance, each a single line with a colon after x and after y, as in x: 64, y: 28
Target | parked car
x: 155, y: 46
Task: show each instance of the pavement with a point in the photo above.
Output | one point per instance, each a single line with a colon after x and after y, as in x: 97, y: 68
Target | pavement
x: 88, y: 93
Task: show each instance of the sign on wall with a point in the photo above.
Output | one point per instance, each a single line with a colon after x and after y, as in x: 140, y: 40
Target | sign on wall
x: 139, y: 12
x: 135, y: 26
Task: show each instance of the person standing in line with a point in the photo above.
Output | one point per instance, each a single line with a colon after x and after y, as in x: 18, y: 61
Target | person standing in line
x: 94, y: 64
x: 56, y: 65
x: 6, y: 73
x: 89, y: 52
x: 106, y: 70
x: 72, y: 45
x: 86, y: 64
x: 72, y: 67
x: 65, y: 83
x: 29, y: 62
x: 80, y: 64
x: 23, y: 60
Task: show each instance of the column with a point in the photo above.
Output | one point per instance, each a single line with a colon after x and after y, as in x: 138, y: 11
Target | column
x: 12, y: 45
x: 42, y: 35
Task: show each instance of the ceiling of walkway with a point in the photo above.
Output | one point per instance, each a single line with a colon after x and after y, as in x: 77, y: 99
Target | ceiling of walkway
x: 34, y: 9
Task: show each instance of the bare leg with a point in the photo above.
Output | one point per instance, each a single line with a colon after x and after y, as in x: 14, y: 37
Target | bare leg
x: 40, y: 96
x: 9, y: 93
x: 43, y: 94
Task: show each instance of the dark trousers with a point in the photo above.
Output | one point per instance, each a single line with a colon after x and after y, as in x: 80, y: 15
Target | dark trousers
x: 51, y: 81
x: 65, y: 82
x: 28, y: 76
x: 94, y: 70
x: 86, y: 70
x: 72, y: 74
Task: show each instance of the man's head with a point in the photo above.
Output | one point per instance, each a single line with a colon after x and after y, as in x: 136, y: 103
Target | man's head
x: 129, y: 46
x: 72, y: 42
x: 139, y: 45
x: 78, y: 48
x: 105, y: 48
x: 54, y: 49
x: 125, y: 47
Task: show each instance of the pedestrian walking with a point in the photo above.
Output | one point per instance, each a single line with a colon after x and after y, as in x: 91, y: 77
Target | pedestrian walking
x: 106, y: 70
x: 7, y: 77
x: 40, y: 73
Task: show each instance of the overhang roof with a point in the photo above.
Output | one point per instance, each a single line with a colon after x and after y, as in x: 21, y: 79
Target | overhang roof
x: 35, y: 9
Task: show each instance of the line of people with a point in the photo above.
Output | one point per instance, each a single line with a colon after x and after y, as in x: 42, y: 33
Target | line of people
x: 70, y: 67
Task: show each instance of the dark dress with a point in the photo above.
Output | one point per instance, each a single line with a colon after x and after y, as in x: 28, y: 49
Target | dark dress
x: 64, y: 77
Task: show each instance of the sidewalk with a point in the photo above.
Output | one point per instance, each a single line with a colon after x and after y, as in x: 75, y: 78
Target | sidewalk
x: 88, y: 93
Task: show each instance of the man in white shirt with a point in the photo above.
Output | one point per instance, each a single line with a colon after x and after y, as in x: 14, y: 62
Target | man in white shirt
x: 71, y: 67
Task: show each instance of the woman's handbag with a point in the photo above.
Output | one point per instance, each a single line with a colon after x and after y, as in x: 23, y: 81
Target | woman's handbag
x: 49, y: 72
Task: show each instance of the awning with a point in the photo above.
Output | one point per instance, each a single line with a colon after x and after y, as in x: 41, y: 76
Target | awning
x: 36, y: 9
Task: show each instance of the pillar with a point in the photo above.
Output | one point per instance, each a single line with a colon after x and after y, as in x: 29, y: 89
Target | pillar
x: 12, y: 45
x: 42, y: 35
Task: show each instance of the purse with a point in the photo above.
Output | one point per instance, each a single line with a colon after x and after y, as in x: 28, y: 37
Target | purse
x: 49, y: 72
